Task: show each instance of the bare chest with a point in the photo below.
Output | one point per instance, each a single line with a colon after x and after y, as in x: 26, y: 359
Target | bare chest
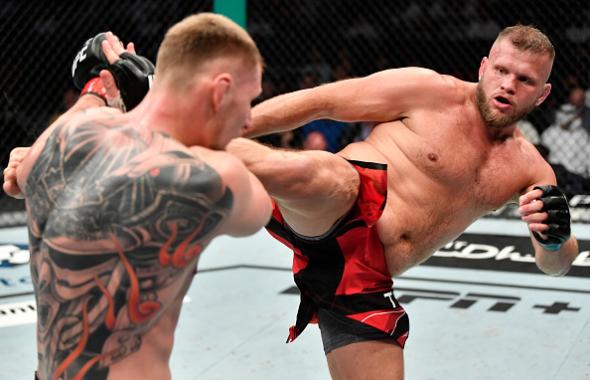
x: 483, y: 174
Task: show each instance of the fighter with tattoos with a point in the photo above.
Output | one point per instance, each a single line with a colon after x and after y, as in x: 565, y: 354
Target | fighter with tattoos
x: 121, y: 205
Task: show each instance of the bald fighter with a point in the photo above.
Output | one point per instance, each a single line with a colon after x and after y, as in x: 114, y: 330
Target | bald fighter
x: 445, y: 153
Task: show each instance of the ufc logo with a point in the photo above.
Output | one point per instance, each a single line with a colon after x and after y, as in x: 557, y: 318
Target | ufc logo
x: 80, y: 57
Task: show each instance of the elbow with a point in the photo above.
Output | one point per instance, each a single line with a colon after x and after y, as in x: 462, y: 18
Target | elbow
x: 256, y: 219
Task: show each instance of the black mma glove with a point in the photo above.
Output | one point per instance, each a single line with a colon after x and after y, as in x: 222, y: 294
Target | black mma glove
x: 89, y: 61
x: 133, y: 74
x: 87, y: 65
x: 556, y: 206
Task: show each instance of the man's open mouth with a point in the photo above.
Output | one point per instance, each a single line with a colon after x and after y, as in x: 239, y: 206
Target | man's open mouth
x: 503, y: 100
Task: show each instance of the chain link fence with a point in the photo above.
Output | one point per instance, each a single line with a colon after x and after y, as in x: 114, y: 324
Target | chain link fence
x: 39, y: 40
x: 309, y: 42
x: 305, y: 43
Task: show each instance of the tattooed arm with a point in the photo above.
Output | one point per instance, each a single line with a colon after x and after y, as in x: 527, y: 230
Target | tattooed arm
x: 252, y: 207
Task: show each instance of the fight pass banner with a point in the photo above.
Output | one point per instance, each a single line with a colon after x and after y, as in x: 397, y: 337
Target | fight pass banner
x: 579, y: 210
x: 501, y: 253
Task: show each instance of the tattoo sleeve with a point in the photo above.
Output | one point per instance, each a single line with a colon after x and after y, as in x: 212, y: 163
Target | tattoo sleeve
x: 115, y: 224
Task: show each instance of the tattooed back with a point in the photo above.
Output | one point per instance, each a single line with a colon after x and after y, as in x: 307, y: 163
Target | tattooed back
x: 118, y: 216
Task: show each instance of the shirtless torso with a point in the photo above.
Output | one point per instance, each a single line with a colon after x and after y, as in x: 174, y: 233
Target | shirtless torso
x: 453, y: 153
x: 120, y: 206
x: 444, y: 171
x: 118, y: 217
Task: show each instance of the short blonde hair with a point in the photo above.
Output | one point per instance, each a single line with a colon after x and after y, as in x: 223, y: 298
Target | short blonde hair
x: 200, y: 38
x: 528, y: 38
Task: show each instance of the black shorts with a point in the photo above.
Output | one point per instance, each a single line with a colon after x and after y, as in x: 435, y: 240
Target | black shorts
x: 338, y: 331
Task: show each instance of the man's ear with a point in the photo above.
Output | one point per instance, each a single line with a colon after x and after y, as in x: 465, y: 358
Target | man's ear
x: 482, y: 66
x: 221, y: 85
x: 544, y: 94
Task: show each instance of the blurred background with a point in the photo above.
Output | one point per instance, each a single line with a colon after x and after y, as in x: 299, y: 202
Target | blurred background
x: 306, y: 43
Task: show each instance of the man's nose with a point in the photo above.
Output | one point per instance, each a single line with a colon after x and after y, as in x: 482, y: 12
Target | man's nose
x: 509, y: 84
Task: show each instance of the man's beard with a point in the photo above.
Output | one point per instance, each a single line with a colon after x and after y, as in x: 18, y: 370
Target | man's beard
x: 497, y: 120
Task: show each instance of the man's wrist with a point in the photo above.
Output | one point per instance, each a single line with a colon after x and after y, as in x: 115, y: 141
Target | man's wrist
x: 95, y: 87
x: 551, y: 247
x: 103, y: 101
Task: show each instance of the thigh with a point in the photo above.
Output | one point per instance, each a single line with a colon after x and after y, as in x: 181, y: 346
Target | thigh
x: 326, y: 190
x: 358, y: 351
x: 370, y: 360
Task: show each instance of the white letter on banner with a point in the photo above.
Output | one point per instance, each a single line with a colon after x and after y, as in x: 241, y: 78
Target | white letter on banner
x: 468, y: 252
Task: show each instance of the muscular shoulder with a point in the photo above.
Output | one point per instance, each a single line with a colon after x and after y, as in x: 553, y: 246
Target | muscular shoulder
x: 453, y: 90
x: 421, y: 84
x: 87, y: 115
x: 99, y: 111
x: 66, y: 134
x: 417, y: 77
